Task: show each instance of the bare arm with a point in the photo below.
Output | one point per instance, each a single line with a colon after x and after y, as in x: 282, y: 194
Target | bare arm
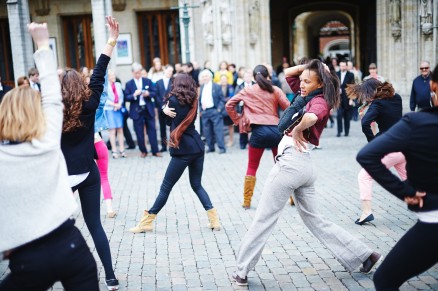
x: 294, y: 71
x: 308, y: 120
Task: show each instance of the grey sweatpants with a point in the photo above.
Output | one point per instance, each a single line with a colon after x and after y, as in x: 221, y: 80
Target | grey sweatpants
x: 294, y: 174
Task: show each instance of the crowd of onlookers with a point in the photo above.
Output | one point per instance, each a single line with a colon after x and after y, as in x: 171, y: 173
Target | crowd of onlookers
x: 231, y: 80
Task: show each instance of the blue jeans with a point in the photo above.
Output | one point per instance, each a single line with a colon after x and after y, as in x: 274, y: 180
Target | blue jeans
x: 174, y: 171
x: 150, y: 130
x: 213, y: 128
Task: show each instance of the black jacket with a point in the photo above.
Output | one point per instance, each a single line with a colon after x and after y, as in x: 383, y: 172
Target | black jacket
x: 190, y: 142
x: 415, y: 135
x: 386, y: 112
x: 348, y: 79
x: 162, y: 92
x: 78, y: 145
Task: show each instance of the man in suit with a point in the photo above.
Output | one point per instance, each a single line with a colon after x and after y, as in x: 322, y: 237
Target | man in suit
x: 346, y: 107
x: 211, y: 105
x: 34, y: 79
x: 141, y: 93
x: 3, y: 89
x: 163, y: 88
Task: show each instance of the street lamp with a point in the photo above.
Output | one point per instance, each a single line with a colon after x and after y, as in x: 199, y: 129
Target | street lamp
x: 186, y: 21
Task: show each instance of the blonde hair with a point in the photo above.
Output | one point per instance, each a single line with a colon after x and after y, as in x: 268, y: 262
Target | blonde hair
x: 21, y: 115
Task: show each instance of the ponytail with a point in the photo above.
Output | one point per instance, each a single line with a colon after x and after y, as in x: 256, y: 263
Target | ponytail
x: 261, y: 75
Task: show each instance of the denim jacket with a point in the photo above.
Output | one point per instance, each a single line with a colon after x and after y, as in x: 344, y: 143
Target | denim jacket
x: 100, y: 122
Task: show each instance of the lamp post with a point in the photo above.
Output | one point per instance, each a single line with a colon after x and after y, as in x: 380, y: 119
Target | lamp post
x: 186, y: 21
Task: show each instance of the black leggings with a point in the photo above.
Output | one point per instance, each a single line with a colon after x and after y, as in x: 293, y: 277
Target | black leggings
x: 89, y: 193
x: 414, y: 253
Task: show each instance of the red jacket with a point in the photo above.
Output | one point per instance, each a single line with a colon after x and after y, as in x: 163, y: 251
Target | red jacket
x: 260, y: 107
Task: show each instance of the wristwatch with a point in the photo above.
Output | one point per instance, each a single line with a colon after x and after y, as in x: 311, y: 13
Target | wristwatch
x: 112, y: 42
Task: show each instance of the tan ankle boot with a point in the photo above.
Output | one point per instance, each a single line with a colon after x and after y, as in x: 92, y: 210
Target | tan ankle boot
x: 214, y: 219
x: 145, y: 223
x: 292, y: 203
x: 248, y: 190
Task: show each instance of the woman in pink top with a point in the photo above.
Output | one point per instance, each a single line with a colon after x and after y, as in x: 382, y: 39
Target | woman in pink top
x: 260, y: 112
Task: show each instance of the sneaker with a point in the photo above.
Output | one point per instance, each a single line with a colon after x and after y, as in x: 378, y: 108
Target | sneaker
x: 371, y: 262
x: 240, y: 281
x: 112, y: 284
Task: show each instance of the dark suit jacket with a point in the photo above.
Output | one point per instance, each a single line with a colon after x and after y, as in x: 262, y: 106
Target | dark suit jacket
x: 415, y: 136
x: 4, y: 91
x: 218, y: 97
x: 162, y: 92
x: 134, y: 109
x: 349, y: 79
x: 386, y: 112
x: 190, y: 142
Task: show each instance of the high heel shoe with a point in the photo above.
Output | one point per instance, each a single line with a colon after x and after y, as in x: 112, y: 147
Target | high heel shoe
x: 367, y: 219
x: 123, y: 154
x: 115, y: 155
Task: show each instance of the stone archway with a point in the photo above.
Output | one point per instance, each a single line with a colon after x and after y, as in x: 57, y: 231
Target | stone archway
x: 358, y: 15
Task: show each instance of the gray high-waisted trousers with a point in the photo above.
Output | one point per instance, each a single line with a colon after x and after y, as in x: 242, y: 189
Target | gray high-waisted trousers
x: 294, y: 174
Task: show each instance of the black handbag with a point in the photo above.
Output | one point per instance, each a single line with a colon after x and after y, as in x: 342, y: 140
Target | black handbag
x: 293, y: 114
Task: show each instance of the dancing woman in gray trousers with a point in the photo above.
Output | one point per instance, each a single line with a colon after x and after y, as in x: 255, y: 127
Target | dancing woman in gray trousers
x: 294, y: 174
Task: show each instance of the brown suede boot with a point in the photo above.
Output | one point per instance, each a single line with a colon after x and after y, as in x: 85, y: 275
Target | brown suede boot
x: 292, y: 203
x: 214, y: 219
x: 145, y: 223
x: 248, y: 191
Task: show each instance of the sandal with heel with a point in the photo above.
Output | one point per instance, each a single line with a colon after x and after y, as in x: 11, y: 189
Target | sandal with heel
x: 115, y: 155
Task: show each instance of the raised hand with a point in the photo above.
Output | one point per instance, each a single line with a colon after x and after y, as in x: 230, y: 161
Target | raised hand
x: 39, y: 33
x: 113, y: 27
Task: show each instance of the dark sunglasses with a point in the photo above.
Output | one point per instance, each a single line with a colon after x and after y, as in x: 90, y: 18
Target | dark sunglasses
x: 424, y: 68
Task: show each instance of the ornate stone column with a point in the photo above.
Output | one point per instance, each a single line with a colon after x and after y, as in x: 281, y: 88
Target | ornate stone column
x: 100, y: 9
x: 18, y: 16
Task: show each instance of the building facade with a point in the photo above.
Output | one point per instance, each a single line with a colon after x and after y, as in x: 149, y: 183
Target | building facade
x: 395, y: 34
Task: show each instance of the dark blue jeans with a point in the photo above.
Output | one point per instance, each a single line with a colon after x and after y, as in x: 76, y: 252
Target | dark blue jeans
x: 62, y: 255
x: 150, y: 130
x: 174, y: 171
x: 213, y: 128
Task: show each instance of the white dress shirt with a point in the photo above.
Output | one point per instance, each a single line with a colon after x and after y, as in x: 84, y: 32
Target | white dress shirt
x: 139, y: 84
x: 166, y: 82
x: 207, y: 96
x: 34, y: 85
x: 343, y: 76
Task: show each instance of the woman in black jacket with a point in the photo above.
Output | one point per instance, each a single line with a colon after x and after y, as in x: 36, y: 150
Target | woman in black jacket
x: 186, y: 149
x: 415, y: 135
x: 383, y: 106
x: 77, y: 144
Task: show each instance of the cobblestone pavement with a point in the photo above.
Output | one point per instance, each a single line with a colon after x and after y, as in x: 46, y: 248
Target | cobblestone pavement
x: 183, y: 254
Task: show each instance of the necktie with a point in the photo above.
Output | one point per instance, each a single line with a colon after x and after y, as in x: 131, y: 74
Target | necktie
x: 116, y: 96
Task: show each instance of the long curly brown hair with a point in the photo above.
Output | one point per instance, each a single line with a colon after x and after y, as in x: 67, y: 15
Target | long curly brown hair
x: 185, y: 90
x: 75, y: 92
x: 370, y: 90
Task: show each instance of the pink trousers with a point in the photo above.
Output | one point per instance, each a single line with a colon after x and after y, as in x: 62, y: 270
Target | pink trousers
x: 102, y: 165
x: 396, y: 160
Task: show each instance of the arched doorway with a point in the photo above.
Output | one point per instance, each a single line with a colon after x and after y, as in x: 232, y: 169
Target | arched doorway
x: 315, y: 28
